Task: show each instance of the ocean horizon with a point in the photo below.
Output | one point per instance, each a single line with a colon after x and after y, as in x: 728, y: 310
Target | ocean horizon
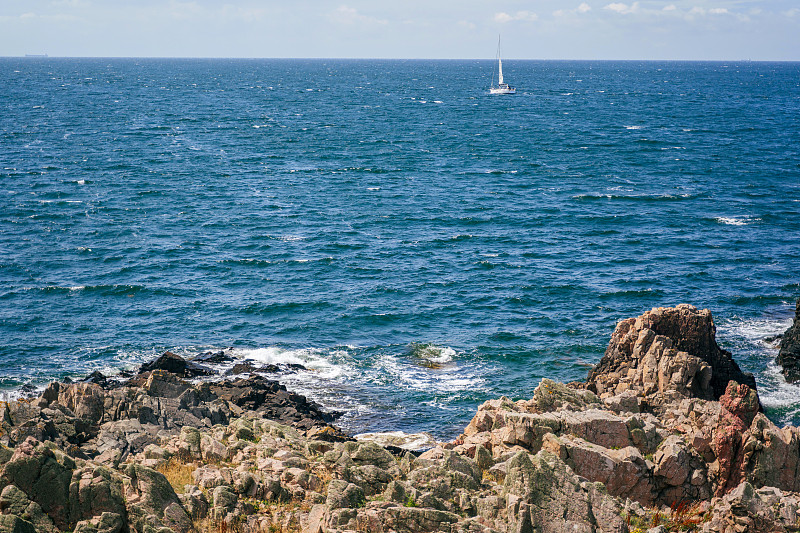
x: 415, y: 244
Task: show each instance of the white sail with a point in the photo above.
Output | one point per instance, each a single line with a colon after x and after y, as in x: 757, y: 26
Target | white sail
x: 502, y: 86
x: 500, y: 67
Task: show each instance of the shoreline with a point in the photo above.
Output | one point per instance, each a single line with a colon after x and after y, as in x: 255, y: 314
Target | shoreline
x: 664, y: 433
x: 756, y: 338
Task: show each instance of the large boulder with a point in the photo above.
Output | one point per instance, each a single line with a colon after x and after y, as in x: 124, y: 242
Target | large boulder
x: 151, y: 500
x: 176, y: 364
x: 789, y: 354
x: 670, y: 352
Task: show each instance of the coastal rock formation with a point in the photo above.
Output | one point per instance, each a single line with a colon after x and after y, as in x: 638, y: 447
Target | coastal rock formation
x: 89, y: 421
x: 645, y: 445
x: 789, y: 354
x: 667, y: 353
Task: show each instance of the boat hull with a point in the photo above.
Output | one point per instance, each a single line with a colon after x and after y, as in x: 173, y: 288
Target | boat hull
x: 502, y: 90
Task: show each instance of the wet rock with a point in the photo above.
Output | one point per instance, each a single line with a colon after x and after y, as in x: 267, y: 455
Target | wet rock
x: 257, y: 393
x: 177, y: 365
x: 213, y: 358
x: 789, y: 354
x: 243, y: 368
x: 96, y: 377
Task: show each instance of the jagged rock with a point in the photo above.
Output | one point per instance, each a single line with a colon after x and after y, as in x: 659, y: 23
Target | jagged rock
x: 43, y: 473
x: 747, y: 509
x: 151, y: 500
x: 668, y: 351
x: 567, y: 459
x: 175, y: 364
x: 195, y: 502
x: 342, y: 494
x: 542, y: 490
x: 15, y: 524
x: 789, y: 354
x: 105, y: 523
x: 213, y: 357
x: 624, y: 472
x: 672, y: 462
x: 96, y: 377
x: 739, y: 406
x: 257, y: 393
x: 15, y: 502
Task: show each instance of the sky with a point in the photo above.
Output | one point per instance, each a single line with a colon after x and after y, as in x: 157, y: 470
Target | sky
x: 446, y: 29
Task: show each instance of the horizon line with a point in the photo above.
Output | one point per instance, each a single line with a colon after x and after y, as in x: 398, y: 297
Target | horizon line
x: 740, y: 60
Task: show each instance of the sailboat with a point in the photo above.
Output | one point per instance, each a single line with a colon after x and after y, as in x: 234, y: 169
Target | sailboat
x: 502, y: 87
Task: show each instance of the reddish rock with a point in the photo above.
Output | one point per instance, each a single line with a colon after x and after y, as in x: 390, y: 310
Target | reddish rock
x: 739, y: 407
x: 688, y: 331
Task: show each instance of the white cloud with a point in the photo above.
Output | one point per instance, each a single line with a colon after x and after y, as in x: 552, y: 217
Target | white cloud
x: 718, y: 11
x: 792, y: 12
x: 467, y: 24
x: 583, y: 8
x: 349, y: 15
x: 669, y: 8
x: 623, y: 9
x: 503, y: 17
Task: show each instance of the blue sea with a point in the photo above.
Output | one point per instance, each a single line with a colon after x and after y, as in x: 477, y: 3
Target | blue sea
x: 418, y: 245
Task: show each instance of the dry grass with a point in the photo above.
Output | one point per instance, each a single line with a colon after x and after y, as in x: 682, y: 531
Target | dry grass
x: 178, y: 474
x: 684, y: 517
x: 207, y: 525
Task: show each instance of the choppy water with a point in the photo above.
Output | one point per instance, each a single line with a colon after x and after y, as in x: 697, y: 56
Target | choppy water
x: 419, y: 245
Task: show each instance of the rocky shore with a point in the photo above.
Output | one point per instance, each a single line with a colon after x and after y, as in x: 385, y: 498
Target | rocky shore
x: 667, y: 434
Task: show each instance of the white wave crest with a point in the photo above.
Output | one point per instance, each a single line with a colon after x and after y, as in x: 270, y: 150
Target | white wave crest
x: 737, y: 221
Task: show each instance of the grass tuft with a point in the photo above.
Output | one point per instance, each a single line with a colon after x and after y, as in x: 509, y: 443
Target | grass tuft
x: 178, y: 474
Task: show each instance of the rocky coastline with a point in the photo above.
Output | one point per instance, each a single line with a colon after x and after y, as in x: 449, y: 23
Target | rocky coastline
x: 666, y: 434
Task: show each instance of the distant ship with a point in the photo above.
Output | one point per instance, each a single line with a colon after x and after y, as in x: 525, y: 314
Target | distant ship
x: 502, y: 87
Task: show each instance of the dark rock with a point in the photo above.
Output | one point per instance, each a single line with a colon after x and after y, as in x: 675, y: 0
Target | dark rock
x: 213, y: 357
x: 242, y: 368
x: 789, y: 354
x: 176, y: 365
x: 14, y: 524
x: 96, y: 377
x: 249, y: 368
x: 270, y: 398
